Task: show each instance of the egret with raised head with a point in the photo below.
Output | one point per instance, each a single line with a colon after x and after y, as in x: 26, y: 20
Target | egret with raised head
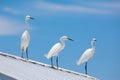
x: 87, y: 55
x: 55, y: 50
x: 25, y: 39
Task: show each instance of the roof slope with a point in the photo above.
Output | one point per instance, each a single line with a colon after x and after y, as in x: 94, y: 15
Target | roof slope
x: 22, y: 69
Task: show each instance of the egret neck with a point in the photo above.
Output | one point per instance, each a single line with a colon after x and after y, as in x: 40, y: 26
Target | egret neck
x: 93, y: 46
x: 62, y: 43
x: 27, y: 25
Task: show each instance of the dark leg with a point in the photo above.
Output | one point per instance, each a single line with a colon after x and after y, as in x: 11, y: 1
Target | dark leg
x: 22, y: 55
x: 52, y: 62
x: 57, y: 61
x: 27, y: 53
x: 86, y: 68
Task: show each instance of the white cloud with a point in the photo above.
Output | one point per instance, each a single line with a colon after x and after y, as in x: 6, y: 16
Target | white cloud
x: 109, y: 4
x: 102, y: 8
x: 10, y: 10
x: 111, y: 7
x: 9, y: 26
x: 43, y: 8
x: 66, y: 8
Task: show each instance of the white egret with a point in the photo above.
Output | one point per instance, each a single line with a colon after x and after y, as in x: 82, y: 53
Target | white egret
x: 25, y: 39
x: 54, y: 51
x: 87, y: 55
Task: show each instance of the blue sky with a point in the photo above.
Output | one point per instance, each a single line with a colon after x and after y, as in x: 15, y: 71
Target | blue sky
x: 80, y: 20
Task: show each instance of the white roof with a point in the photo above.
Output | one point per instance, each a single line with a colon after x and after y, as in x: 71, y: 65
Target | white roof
x: 22, y: 69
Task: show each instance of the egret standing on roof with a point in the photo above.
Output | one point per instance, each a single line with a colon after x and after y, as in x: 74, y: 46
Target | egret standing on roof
x: 87, y: 55
x: 25, y: 39
x: 54, y: 51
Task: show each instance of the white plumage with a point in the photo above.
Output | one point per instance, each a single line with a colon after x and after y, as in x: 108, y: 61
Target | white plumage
x: 87, y: 54
x: 25, y: 39
x: 55, y: 50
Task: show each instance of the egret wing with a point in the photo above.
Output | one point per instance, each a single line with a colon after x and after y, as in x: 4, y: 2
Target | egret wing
x: 85, y: 56
x: 54, y: 50
x: 25, y: 40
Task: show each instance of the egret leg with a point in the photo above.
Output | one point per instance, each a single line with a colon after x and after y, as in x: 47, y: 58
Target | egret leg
x: 27, y: 53
x: 22, y: 55
x: 52, y: 62
x: 86, y: 68
x: 57, y: 61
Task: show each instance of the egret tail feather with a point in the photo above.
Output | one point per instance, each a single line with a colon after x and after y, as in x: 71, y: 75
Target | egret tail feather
x: 79, y: 62
x: 47, y: 56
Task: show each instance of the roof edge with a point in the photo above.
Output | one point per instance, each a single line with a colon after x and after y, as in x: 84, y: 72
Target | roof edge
x: 45, y: 65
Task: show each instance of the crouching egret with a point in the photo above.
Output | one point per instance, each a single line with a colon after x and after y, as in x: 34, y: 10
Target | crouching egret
x: 25, y: 39
x: 55, y: 50
x: 87, y: 55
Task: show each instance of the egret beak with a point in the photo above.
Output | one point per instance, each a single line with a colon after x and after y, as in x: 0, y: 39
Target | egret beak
x: 31, y: 18
x: 95, y: 40
x: 70, y: 39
